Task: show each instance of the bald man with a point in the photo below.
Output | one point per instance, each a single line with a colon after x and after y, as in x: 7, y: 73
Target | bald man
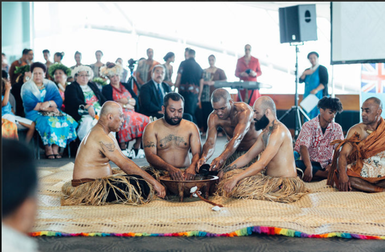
x: 94, y: 182
x: 273, y: 176
x: 236, y: 120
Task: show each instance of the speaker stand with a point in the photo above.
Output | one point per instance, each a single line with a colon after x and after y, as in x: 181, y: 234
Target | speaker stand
x: 298, y: 110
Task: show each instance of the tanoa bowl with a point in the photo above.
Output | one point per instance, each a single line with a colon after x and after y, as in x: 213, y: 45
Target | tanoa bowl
x: 182, y: 188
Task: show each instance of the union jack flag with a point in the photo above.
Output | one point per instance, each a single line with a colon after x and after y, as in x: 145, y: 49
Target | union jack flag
x: 373, y: 78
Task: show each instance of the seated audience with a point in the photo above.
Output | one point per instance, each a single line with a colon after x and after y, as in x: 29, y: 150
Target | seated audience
x: 273, y: 177
x: 134, y: 123
x: 167, y: 141
x: 41, y: 100
x: 360, y: 164
x: 83, y: 99
x: 313, y: 142
x: 94, y: 182
x: 152, y: 93
x: 8, y: 114
x: 237, y: 121
x: 19, y: 197
x: 60, y: 74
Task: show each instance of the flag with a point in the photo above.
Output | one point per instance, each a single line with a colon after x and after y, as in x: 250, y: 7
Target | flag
x: 373, y: 78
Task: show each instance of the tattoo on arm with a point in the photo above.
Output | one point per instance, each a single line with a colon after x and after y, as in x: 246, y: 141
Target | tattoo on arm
x: 228, y: 168
x: 110, y: 147
x: 149, y: 144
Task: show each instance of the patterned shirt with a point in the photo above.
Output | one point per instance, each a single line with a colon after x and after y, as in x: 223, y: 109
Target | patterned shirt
x: 318, y: 144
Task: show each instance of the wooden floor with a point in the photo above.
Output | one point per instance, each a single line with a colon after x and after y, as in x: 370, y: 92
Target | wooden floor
x: 255, y: 242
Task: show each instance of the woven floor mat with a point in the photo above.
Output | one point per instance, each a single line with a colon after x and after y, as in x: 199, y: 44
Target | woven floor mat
x: 325, y: 210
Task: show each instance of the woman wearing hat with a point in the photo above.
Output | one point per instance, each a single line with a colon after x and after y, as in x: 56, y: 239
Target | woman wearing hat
x: 83, y: 99
x: 41, y: 100
x: 60, y: 73
x: 134, y: 123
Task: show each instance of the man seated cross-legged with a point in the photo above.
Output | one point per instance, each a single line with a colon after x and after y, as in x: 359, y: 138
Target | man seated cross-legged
x: 360, y: 166
x: 273, y: 177
x: 94, y: 182
x: 167, y: 142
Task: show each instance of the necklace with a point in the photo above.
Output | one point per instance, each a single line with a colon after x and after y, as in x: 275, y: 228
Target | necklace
x: 40, y: 87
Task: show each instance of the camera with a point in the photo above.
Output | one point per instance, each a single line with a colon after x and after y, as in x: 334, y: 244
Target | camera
x: 131, y: 63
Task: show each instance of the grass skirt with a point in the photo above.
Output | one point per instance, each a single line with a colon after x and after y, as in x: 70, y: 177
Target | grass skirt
x: 263, y: 187
x: 95, y: 193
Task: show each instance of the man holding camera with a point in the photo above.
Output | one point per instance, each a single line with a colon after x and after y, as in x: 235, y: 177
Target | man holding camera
x: 248, y: 69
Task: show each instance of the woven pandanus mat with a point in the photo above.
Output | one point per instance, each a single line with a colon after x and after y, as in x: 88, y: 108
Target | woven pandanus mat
x: 325, y: 210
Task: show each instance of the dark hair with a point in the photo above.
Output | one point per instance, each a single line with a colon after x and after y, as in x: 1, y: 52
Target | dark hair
x: 4, y: 74
x: 173, y: 96
x: 45, y: 51
x: 19, y: 175
x: 334, y: 104
x: 38, y: 64
x: 149, y: 50
x: 187, y: 49
x: 310, y: 53
x: 3, y: 54
x: 99, y: 51
x: 168, y: 55
x: 118, y: 59
x: 191, y: 52
x: 26, y: 51
x: 77, y: 52
x: 212, y: 55
x: 60, y: 54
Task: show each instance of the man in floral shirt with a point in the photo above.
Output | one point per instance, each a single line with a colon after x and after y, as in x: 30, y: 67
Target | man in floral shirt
x: 313, y: 142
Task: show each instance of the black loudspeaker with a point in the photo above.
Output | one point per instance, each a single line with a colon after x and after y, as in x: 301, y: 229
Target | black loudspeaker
x: 298, y: 23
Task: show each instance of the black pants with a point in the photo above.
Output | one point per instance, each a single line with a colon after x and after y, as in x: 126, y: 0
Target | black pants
x: 143, y: 187
x: 301, y: 165
x: 190, y: 104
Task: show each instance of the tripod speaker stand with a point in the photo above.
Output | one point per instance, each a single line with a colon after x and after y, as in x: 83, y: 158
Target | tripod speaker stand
x: 297, y: 110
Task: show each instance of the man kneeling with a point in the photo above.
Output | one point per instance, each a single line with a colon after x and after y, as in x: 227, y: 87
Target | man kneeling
x: 280, y: 183
x: 94, y: 182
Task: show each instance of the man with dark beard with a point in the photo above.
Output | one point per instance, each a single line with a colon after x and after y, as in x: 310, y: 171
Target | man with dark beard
x: 167, y: 142
x: 273, y: 176
x: 236, y: 120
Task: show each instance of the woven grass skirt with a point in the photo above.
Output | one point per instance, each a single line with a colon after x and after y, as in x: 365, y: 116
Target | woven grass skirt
x: 263, y: 187
x: 117, y: 188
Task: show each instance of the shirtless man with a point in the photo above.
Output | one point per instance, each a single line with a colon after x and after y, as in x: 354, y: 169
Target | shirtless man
x: 236, y: 119
x: 367, y: 174
x: 276, y: 143
x: 167, y: 141
x: 99, y: 147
